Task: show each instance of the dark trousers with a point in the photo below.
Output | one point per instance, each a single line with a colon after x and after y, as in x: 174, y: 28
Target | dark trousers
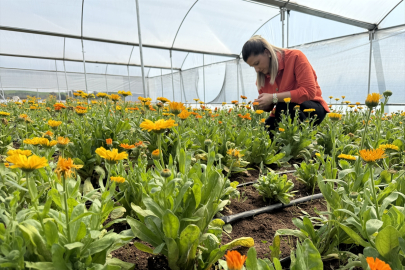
x: 320, y: 112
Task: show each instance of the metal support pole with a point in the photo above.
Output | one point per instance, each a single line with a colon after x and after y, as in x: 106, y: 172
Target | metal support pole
x: 241, y: 78
x: 371, y: 38
x: 140, y: 47
x: 57, y: 80
x: 129, y: 79
x: 182, y: 83
x: 161, y: 81
x: 84, y: 65
x: 204, y: 75
x: 237, y: 78
x: 282, y: 18
x: 171, y: 67
x: 67, y: 85
x: 106, y: 84
x: 288, y: 26
x: 2, y: 90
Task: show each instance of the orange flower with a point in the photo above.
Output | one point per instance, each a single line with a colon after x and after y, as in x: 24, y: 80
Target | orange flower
x: 377, y: 264
x: 127, y: 146
x: 176, y: 107
x: 66, y: 167
x: 184, y: 115
x: 372, y: 155
x: 156, y: 154
x: 108, y: 142
x: 234, y: 260
x: 243, y: 97
x: 373, y: 99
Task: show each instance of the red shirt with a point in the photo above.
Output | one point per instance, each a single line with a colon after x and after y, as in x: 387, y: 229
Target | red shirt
x: 295, y: 74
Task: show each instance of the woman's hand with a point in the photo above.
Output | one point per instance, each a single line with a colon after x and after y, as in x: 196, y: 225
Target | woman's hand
x: 265, y: 101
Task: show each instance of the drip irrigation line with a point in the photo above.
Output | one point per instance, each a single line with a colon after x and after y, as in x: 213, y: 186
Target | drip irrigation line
x: 267, y: 209
x: 251, y: 183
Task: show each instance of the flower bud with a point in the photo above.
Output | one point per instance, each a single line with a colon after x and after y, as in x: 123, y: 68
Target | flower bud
x: 387, y: 93
x: 156, y: 154
x: 208, y: 142
x: 166, y: 173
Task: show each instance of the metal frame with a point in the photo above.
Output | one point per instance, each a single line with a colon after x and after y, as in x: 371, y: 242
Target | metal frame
x: 317, y: 13
x: 80, y: 61
x: 140, y: 47
x: 371, y: 38
x: 30, y: 31
x: 57, y: 79
x: 84, y: 59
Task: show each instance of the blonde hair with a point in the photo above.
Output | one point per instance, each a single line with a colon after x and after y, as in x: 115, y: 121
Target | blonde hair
x: 257, y: 45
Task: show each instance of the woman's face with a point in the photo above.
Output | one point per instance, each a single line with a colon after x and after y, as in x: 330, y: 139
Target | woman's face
x: 260, y: 62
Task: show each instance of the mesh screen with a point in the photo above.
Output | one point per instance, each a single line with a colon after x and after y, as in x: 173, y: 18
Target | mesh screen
x: 341, y: 65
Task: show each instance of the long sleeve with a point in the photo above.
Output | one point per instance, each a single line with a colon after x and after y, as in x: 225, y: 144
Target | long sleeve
x: 306, y: 80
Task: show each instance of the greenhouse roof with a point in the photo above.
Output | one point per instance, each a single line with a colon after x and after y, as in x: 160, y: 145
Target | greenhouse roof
x: 54, y: 29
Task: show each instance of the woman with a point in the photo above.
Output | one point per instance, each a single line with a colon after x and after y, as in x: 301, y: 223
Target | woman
x: 284, y: 73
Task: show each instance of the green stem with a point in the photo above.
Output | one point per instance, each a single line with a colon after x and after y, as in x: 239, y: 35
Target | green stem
x: 160, y: 150
x: 66, y: 208
x: 365, y: 129
x: 373, y: 190
x: 34, y: 202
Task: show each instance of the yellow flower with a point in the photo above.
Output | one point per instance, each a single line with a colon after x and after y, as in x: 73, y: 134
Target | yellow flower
x: 4, y: 113
x: 234, y: 153
x: 259, y: 112
x: 7, y: 165
x: 118, y: 108
x: 373, y: 99
x: 176, y: 107
x: 262, y: 120
x: 309, y: 110
x: 287, y: 100
x: 318, y: 154
x: 62, y: 142
x: 377, y: 264
x: 80, y: 112
x: 117, y: 179
x: 223, y: 103
x: 343, y: 97
x: 46, y: 143
x: 115, y: 97
x: 163, y: 99
x: 330, y: 97
x: 111, y: 156
x: 337, y: 99
x: 348, y: 157
x: 27, y: 164
x: 66, y: 167
x: 335, y: 116
x: 281, y: 129
x: 102, y: 95
x: 357, y: 103
x: 389, y: 146
x: 48, y: 134
x: 234, y: 260
x: 159, y: 126
x: 184, y: 114
x: 371, y: 155
x: 19, y: 152
x: 347, y: 102
x: 125, y: 93
x: 33, y: 141
x: 54, y: 124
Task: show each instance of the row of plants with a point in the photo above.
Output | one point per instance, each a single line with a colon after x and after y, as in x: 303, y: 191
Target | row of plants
x: 73, y: 170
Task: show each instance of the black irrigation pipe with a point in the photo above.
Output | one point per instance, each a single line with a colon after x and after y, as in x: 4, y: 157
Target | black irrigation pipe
x: 267, y: 209
x: 251, y: 183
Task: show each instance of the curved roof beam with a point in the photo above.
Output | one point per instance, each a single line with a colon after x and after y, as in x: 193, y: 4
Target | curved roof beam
x: 318, y: 13
x: 30, y: 31
x: 389, y: 13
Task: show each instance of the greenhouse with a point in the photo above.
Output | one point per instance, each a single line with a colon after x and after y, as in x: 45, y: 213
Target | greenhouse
x: 202, y: 134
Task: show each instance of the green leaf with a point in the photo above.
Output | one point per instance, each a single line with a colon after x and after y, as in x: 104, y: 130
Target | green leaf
x: 143, y: 247
x: 188, y: 242
x: 40, y: 265
x: 373, y: 225
x: 57, y: 257
x: 386, y: 240
x: 51, y: 233
x: 74, y: 245
x: 354, y: 236
x: 171, y: 224
x: 173, y: 253
x: 122, y: 265
x: 143, y: 233
x: 312, y: 256
x: 251, y: 261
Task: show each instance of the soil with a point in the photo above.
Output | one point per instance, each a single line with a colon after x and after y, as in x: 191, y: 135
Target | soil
x: 250, y: 199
